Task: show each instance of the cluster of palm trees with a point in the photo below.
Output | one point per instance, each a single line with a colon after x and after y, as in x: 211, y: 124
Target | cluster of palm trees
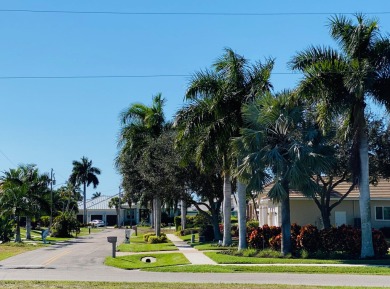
x: 234, y: 125
x: 25, y: 192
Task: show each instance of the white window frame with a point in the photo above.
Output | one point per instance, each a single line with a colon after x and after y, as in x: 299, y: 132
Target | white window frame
x: 383, y: 213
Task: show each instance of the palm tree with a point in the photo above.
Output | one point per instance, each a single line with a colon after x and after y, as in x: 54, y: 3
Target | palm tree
x: 116, y: 203
x: 24, y: 192
x: 96, y: 195
x: 276, y: 140
x: 140, y: 125
x: 213, y: 117
x: 84, y: 173
x: 340, y: 83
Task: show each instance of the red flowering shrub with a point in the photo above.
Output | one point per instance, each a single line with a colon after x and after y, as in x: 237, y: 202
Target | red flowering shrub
x: 309, y: 238
x: 380, y: 243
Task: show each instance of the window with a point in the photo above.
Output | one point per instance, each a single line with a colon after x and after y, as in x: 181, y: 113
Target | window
x: 382, y: 213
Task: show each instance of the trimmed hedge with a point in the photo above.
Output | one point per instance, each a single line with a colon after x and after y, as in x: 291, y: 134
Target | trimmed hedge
x: 151, y: 238
x: 344, y: 239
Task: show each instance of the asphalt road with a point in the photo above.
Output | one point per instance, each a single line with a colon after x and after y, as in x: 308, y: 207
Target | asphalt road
x: 82, y: 260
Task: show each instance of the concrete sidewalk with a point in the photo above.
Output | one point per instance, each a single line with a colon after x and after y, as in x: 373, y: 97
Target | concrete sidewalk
x: 193, y: 255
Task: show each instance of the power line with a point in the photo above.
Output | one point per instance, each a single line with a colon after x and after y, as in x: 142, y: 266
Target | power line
x: 183, y: 13
x: 7, y: 158
x: 112, y: 76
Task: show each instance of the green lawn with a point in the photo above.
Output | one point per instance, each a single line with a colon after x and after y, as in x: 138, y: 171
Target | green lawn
x: 11, y: 249
x: 203, y: 246
x: 145, y: 285
x: 134, y: 261
x: 137, y: 244
x: 229, y: 259
x: 366, y: 270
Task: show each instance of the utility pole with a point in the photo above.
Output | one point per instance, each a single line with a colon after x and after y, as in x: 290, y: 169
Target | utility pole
x: 52, y: 182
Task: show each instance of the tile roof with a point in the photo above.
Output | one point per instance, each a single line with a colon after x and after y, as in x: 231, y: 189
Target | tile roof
x: 380, y: 191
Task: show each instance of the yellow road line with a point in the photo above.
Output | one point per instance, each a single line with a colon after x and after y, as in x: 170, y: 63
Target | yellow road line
x: 56, y: 257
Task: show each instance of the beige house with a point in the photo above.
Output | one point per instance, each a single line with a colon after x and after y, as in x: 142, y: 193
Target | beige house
x: 304, y: 211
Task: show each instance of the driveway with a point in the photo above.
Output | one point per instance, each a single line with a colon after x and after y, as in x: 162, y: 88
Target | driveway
x: 82, y: 260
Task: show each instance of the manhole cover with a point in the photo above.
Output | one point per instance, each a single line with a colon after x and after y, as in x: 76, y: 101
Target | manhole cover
x: 148, y: 259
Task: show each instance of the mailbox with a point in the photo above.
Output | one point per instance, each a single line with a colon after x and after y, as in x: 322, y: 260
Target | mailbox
x: 112, y: 239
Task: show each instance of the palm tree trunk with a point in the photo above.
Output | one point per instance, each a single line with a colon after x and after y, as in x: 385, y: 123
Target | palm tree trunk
x: 227, y: 210
x: 241, y: 200
x: 85, y: 203
x: 367, y: 249
x: 157, y: 225
x: 118, y: 220
x: 18, y: 239
x: 28, y: 228
x: 183, y: 214
x: 286, y: 222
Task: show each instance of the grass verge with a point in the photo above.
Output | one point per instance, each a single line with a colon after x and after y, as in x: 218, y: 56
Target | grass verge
x: 134, y: 261
x: 230, y: 259
x: 11, y: 249
x: 137, y: 244
x: 128, y: 285
x: 366, y: 270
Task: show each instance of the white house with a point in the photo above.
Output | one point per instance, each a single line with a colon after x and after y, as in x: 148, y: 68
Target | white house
x: 98, y: 208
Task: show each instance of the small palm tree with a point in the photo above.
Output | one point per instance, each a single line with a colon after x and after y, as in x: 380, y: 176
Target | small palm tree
x: 276, y: 140
x: 84, y: 173
x: 116, y: 203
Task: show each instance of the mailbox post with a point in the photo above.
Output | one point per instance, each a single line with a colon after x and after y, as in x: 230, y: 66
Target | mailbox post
x: 112, y: 240
x: 127, y: 236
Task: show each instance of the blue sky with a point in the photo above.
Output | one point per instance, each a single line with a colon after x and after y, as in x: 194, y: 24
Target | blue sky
x: 51, y: 122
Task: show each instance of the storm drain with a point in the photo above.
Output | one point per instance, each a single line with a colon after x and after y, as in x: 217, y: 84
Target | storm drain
x: 148, y: 259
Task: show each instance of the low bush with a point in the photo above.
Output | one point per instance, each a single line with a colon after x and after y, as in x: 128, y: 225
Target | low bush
x: 385, y: 231
x: 151, y: 238
x: 64, y: 224
x: 207, y: 232
x: 188, y: 232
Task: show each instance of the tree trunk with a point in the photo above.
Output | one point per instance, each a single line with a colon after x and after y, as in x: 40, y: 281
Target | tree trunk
x: 28, y: 228
x: 241, y: 200
x: 367, y: 249
x: 152, y: 214
x: 325, y: 215
x: 215, y: 223
x: 85, y: 203
x: 227, y: 210
x: 183, y: 214
x: 157, y: 225
x: 18, y: 239
x: 286, y: 222
x: 118, y: 217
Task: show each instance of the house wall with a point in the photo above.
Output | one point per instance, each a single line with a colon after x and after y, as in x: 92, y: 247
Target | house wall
x: 305, y: 211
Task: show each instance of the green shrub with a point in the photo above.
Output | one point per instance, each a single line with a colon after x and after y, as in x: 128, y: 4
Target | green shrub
x: 64, y: 224
x: 207, y: 232
x: 188, y: 232
x: 6, y: 229
x: 385, y: 231
x: 251, y: 225
x: 156, y: 240
x: 44, y: 221
x: 147, y: 236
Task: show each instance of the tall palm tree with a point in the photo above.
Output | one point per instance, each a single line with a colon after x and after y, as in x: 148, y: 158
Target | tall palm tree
x: 84, y: 173
x: 213, y: 117
x: 276, y: 140
x: 340, y: 82
x: 141, y: 124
